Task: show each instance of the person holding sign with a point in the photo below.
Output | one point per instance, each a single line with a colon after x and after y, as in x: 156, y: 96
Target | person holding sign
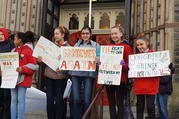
x: 56, y: 80
x: 165, y: 89
x: 116, y: 93
x: 26, y: 69
x: 6, y: 45
x: 145, y: 88
x: 29, y: 35
x: 82, y: 78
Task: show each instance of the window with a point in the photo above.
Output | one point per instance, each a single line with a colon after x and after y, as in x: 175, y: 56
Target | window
x: 86, y: 22
x: 74, y: 22
x: 104, y: 22
x: 120, y: 19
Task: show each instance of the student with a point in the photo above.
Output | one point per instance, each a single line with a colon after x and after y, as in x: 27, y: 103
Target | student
x: 115, y: 93
x: 29, y: 35
x: 6, y: 45
x: 145, y: 88
x: 82, y: 78
x: 165, y: 89
x: 27, y: 66
x: 56, y: 80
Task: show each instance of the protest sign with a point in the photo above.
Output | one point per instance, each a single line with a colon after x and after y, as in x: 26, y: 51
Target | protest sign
x: 149, y: 64
x: 48, y: 51
x: 110, y: 69
x: 79, y: 59
x: 9, y: 63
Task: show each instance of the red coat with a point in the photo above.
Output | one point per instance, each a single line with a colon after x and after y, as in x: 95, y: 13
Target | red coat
x: 25, y: 57
x: 146, y: 86
x: 127, y: 52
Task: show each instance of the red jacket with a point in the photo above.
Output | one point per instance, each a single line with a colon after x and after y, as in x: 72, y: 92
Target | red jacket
x: 146, y: 86
x: 127, y: 52
x: 25, y: 57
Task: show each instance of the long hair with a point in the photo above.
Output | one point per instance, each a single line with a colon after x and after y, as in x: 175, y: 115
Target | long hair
x: 29, y: 35
x: 64, y: 31
x: 145, y: 39
x: 121, y: 29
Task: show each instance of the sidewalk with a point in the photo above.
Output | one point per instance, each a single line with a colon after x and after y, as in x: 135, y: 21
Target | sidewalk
x: 36, y: 115
x: 43, y: 115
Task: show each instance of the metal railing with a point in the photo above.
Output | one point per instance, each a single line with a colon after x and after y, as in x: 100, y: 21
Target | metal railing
x: 93, y: 102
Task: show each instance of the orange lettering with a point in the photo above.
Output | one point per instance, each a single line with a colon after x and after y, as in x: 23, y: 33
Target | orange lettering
x: 63, y: 65
x: 92, y: 65
x: 77, y: 64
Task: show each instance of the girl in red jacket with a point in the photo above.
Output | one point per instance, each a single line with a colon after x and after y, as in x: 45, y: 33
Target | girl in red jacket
x: 27, y: 66
x: 145, y: 88
x: 115, y: 93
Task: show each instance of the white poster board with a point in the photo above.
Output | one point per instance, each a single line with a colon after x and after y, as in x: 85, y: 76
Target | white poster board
x: 77, y: 58
x: 110, y: 69
x: 9, y: 63
x: 149, y: 64
x: 48, y: 51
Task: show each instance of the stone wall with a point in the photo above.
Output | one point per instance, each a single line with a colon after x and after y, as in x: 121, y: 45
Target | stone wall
x: 21, y: 15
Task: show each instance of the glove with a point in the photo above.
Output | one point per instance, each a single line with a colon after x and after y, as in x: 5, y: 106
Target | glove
x: 98, y: 63
x: 170, y: 65
x: 122, y: 62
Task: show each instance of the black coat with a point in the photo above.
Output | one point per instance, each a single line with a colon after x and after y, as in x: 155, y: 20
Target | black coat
x: 6, y: 46
x: 165, y: 86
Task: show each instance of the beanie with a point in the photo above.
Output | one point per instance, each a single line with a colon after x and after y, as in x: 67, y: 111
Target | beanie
x: 5, y: 33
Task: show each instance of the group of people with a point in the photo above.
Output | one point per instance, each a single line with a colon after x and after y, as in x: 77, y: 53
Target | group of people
x: 12, y: 101
x: 146, y: 89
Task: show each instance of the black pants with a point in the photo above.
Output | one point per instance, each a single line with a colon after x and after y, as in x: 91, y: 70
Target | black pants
x: 150, y: 99
x: 56, y: 105
x: 5, y: 102
x: 116, y: 98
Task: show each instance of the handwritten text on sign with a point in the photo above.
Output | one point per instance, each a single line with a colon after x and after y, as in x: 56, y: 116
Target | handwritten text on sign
x: 110, y: 68
x: 48, y: 51
x: 9, y: 63
x: 79, y: 59
x: 149, y: 64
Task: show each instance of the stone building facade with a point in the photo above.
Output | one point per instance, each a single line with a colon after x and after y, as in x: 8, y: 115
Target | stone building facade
x: 158, y: 19
x: 21, y: 15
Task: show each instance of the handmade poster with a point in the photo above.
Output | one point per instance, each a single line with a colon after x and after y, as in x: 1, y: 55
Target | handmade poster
x: 9, y: 63
x: 77, y: 58
x: 110, y: 69
x: 149, y: 64
x: 48, y: 51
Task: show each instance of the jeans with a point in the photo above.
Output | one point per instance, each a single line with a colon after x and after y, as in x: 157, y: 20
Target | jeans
x: 56, y: 105
x: 162, y: 101
x: 79, y: 95
x: 150, y: 100
x: 116, y: 99
x: 18, y: 96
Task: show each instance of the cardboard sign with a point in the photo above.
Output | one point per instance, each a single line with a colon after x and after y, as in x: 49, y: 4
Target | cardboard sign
x: 149, y: 64
x: 9, y: 63
x: 110, y: 69
x: 77, y: 58
x: 48, y: 51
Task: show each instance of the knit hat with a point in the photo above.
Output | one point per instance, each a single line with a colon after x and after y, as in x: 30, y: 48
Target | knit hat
x: 5, y: 33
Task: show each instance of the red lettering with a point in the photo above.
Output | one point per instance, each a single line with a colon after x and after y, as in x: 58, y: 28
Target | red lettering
x: 77, y: 65
x: 63, y: 65
x: 91, y: 65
